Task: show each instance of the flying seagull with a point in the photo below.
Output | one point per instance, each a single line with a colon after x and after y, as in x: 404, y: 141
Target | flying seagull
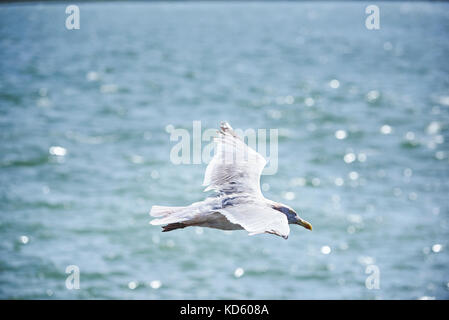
x: 234, y: 174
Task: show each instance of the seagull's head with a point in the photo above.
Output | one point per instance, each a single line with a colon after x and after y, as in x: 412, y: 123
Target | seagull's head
x: 292, y: 216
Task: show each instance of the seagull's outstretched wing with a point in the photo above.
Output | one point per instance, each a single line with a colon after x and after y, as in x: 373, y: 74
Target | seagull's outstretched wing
x: 257, y: 219
x: 235, y: 167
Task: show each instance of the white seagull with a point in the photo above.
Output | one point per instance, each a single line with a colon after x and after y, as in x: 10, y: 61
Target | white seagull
x: 234, y: 173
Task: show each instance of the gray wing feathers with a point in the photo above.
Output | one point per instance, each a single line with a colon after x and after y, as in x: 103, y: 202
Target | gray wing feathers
x: 258, y: 219
x: 160, y: 211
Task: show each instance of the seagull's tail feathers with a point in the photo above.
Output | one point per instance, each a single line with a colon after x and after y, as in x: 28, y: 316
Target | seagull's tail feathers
x: 180, y: 217
x: 167, y: 215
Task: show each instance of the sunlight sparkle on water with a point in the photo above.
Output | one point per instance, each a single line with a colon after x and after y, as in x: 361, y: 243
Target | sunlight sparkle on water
x: 309, y: 102
x: 372, y: 96
x: 433, y: 128
x: 339, y: 182
x: 239, y: 272
x: 325, y: 250
x: 340, y: 134
x: 353, y: 175
x: 349, y: 157
x: 24, y: 239
x: 132, y: 285
x: 92, y: 76
x: 386, y: 129
x: 299, y: 182
x: 57, y: 151
x: 289, y: 196
x: 155, y: 284
x: 440, y: 155
x: 437, y: 247
x: 410, y: 136
x: 334, y: 84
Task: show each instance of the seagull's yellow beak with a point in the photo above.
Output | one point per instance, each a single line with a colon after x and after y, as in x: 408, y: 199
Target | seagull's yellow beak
x: 304, y: 224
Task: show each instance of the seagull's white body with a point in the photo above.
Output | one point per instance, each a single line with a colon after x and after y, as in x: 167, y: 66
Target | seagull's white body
x: 234, y: 173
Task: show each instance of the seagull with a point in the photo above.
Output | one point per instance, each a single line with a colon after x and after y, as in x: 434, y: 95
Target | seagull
x: 238, y: 204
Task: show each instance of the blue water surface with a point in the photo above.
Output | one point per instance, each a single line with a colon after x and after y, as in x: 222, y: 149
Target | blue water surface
x: 363, y: 120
